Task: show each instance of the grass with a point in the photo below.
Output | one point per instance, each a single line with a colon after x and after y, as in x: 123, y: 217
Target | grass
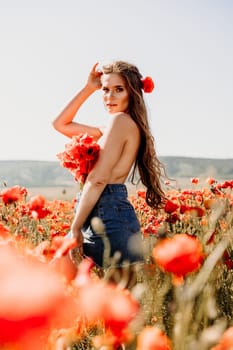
x: 194, y: 312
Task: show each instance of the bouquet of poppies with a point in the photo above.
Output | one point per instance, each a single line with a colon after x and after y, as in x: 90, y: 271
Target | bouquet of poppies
x: 80, y: 156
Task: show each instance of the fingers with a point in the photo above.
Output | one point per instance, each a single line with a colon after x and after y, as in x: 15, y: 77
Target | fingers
x: 80, y: 244
x: 79, y: 239
x: 94, y: 67
x: 96, y: 71
x: 80, y: 250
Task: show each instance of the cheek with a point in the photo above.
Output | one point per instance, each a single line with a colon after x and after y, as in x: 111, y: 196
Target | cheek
x: 126, y: 100
x: 124, y: 97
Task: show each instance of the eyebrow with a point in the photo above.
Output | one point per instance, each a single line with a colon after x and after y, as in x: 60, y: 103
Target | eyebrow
x: 116, y: 86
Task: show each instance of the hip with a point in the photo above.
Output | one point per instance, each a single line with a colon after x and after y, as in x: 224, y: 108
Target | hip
x: 114, y: 206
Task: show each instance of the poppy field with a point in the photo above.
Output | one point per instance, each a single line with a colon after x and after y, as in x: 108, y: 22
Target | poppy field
x: 182, y: 298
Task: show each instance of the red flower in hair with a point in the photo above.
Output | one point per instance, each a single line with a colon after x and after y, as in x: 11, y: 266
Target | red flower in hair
x: 147, y: 84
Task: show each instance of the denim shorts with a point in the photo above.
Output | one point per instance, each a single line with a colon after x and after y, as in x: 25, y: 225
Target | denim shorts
x: 121, y: 228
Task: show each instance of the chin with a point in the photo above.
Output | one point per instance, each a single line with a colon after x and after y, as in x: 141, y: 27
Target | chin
x: 112, y: 111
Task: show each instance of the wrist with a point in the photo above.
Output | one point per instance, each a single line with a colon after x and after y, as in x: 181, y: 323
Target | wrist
x: 89, y: 89
x: 75, y: 229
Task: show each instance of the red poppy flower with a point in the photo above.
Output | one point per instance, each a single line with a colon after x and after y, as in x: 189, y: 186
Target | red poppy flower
x: 13, y: 194
x: 33, y: 301
x: 4, y: 231
x: 115, y: 307
x: 210, y: 180
x: 147, y: 84
x: 83, y: 277
x: 196, y: 211
x: 180, y: 255
x: 153, y: 338
x: 141, y: 194
x: 37, y: 208
x: 40, y: 213
x: 80, y: 156
x: 170, y: 207
x: 195, y: 180
x: 36, y: 202
x: 227, y: 184
x: 227, y: 260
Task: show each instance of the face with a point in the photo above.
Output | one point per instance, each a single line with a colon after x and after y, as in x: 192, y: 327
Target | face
x: 115, y: 94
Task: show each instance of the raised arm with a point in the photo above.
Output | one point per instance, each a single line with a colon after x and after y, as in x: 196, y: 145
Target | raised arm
x: 64, y: 122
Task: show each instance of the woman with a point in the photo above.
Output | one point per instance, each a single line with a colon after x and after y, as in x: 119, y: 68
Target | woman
x: 126, y: 143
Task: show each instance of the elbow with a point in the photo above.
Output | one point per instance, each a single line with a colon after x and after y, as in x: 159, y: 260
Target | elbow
x: 56, y: 125
x: 60, y: 127
x: 98, y: 181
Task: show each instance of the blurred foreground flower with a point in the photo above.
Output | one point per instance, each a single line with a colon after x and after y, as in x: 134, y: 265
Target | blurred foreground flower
x: 4, y: 231
x: 153, y: 338
x: 179, y: 255
x: 33, y: 300
x: 55, y: 252
x: 115, y: 307
x: 226, y: 342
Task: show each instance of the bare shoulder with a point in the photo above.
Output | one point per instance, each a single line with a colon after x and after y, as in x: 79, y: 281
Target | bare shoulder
x: 124, y: 122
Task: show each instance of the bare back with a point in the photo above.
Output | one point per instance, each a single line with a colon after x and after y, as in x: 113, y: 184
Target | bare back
x: 128, y: 135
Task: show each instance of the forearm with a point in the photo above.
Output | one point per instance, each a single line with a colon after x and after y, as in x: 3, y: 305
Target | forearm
x: 69, y: 112
x: 90, y: 195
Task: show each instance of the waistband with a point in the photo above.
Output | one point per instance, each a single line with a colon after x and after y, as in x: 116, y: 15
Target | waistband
x: 116, y: 188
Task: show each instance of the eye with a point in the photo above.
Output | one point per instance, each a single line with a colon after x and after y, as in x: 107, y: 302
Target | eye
x: 119, y: 89
x: 105, y: 89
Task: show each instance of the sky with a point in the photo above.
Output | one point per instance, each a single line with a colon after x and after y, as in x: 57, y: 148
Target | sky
x: 47, y: 48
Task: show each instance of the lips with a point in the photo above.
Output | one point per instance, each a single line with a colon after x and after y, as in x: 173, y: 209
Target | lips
x: 111, y: 105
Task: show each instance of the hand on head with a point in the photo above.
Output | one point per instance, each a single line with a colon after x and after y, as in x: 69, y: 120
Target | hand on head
x: 94, y: 80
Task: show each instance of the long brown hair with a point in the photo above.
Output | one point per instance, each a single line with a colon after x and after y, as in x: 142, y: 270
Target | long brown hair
x: 147, y: 163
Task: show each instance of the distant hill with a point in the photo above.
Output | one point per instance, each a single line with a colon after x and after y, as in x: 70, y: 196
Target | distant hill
x: 30, y: 173
x: 221, y: 169
x: 50, y: 174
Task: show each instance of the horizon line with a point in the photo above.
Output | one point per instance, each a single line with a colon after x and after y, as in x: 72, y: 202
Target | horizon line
x: 161, y: 156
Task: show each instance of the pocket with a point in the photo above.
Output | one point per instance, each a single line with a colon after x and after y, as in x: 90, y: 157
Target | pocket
x: 117, y: 213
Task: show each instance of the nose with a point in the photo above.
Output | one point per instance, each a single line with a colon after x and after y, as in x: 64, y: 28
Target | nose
x: 110, y: 93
